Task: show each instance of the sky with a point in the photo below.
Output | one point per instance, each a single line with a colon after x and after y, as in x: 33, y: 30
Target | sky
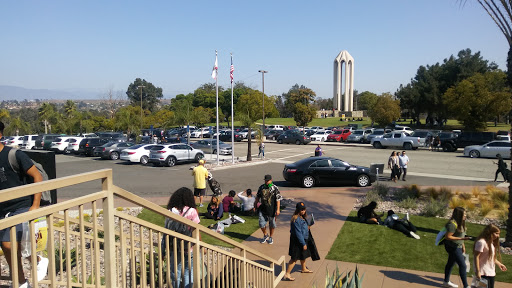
x: 102, y: 45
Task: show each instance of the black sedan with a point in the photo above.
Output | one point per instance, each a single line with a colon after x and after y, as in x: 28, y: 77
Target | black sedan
x: 326, y: 170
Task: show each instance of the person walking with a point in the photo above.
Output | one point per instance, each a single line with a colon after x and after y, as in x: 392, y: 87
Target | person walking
x: 403, y: 160
x: 261, y: 149
x: 270, y: 198
x: 200, y: 174
x: 9, y: 178
x: 454, y: 246
x: 393, y: 166
x: 486, y: 252
x: 502, y: 168
x: 182, y: 203
x: 318, y: 151
x: 299, y: 234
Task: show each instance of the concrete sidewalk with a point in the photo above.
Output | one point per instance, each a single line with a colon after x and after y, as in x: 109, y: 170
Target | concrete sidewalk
x: 331, y: 207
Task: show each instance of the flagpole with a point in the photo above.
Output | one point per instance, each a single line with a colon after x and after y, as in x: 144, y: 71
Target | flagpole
x: 232, y: 121
x: 217, y: 100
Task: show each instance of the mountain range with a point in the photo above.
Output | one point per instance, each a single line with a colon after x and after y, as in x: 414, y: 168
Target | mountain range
x: 20, y: 94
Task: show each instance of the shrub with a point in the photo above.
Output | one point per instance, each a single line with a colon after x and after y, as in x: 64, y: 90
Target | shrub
x: 498, y: 196
x: 340, y: 280
x: 371, y: 195
x: 503, y: 215
x: 475, y: 191
x: 120, y: 209
x: 464, y: 196
x: 381, y: 189
x: 485, y: 208
x: 469, y: 205
x: 431, y: 192
x: 412, y: 191
x: 456, y: 202
x: 435, y: 207
x: 408, y: 203
x: 445, y: 193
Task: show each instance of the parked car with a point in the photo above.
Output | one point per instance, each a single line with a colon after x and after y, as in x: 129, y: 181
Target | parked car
x: 320, y: 135
x: 61, y: 144
x: 405, y: 129
x: 293, y: 136
x: 199, y: 132
x: 273, y: 134
x: 73, y: 144
x: 226, y: 136
x: 15, y: 141
x: 489, y: 150
x: 29, y: 141
x: 170, y: 154
x: 396, y: 139
x: 424, y: 135
x: 326, y: 170
x: 87, y: 145
x: 210, y: 146
x: 339, y: 135
x: 111, y: 150
x: 448, y: 141
x: 112, y: 136
x: 276, y: 127
x: 316, y: 128
x: 137, y: 154
x: 377, y: 133
x: 44, y: 141
x: 474, y: 138
x: 359, y: 135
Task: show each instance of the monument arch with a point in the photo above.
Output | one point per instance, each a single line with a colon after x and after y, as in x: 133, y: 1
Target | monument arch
x: 344, y: 60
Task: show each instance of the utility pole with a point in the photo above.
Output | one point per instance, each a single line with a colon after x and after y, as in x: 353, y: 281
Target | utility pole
x: 141, y: 86
x: 263, y: 96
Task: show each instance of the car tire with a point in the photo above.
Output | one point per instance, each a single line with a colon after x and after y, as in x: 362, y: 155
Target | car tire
x: 280, y: 141
x: 65, y: 151
x: 144, y: 160
x: 377, y: 145
x: 447, y: 148
x: 322, y: 140
x: 170, y: 161
x: 114, y: 155
x: 198, y: 157
x: 308, y: 181
x: 474, y: 154
x: 363, y: 180
x: 297, y: 142
x: 407, y: 146
x: 214, y: 151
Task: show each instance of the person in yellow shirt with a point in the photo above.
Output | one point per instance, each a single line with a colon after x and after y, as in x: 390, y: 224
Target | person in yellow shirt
x: 200, y: 174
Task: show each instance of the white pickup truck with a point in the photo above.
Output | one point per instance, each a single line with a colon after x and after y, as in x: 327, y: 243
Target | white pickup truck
x: 396, y: 139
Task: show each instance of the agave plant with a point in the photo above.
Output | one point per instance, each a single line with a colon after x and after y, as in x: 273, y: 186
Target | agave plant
x: 343, y: 280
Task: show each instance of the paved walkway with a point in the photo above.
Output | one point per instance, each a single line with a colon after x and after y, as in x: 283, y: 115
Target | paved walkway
x: 331, y: 206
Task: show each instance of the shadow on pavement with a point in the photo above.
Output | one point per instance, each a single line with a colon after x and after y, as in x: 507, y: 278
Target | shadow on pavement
x: 413, y: 278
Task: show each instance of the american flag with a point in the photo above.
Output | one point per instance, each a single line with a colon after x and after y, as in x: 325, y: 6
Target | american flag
x: 232, y: 69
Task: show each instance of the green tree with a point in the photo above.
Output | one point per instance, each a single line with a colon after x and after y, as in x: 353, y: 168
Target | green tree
x: 478, y: 99
x: 182, y: 107
x: 163, y: 118
x: 4, y: 114
x: 367, y: 100
x: 303, y: 114
x: 201, y: 116
x: 17, y: 127
x: 128, y: 119
x: 385, y: 110
x: 248, y: 110
x: 150, y: 94
x: 47, y: 115
x: 205, y: 96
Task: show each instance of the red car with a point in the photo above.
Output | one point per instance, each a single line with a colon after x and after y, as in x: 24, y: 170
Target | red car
x: 339, y: 135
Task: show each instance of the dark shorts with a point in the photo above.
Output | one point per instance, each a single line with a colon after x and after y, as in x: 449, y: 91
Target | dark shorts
x: 199, y: 192
x: 5, y: 235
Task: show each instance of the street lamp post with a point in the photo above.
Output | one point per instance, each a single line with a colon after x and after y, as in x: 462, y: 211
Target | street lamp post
x: 263, y: 96
x: 141, y: 86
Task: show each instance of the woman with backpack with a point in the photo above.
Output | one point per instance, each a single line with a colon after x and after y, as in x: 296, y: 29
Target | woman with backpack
x: 486, y: 254
x: 454, y: 245
x: 182, y: 203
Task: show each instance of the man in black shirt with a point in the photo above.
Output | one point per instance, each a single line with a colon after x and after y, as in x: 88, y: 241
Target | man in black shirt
x: 8, y: 179
x: 270, y: 198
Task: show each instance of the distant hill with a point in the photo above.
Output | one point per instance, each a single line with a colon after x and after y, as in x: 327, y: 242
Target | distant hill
x: 20, y: 94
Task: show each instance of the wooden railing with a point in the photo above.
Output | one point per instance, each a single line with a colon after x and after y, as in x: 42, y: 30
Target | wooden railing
x: 110, y: 248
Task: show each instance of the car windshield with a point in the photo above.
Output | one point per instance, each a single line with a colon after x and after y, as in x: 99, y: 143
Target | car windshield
x: 337, y: 132
x: 358, y: 132
x: 136, y: 146
x: 109, y: 144
x: 378, y: 133
x: 421, y: 134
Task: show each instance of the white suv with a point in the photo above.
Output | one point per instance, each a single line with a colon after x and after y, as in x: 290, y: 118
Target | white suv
x: 15, y: 141
x: 170, y: 154
x: 60, y: 144
x: 29, y: 141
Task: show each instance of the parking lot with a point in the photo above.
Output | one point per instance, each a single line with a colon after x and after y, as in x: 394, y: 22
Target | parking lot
x: 425, y: 168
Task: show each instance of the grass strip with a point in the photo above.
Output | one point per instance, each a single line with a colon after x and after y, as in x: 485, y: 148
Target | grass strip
x: 382, y: 246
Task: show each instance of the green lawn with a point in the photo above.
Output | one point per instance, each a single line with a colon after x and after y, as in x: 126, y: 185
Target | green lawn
x: 381, y: 246
x: 238, y: 232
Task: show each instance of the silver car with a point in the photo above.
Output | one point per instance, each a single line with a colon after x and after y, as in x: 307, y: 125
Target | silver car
x: 170, y: 154
x: 210, y: 146
x: 489, y: 150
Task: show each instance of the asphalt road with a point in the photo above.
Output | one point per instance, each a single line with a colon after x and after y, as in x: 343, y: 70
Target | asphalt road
x: 425, y: 168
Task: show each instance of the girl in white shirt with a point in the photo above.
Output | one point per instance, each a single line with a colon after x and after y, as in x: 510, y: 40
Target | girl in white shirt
x: 486, y: 254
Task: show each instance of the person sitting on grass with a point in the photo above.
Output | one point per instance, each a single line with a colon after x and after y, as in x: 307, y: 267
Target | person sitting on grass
x: 215, y: 209
x: 403, y: 225
x: 366, y: 214
x: 229, y: 204
x: 247, y: 201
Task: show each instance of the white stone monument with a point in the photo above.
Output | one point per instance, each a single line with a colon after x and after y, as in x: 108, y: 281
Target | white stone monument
x: 348, y: 98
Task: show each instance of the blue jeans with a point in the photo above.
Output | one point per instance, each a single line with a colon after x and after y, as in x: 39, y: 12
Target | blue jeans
x: 189, y: 273
x: 455, y: 256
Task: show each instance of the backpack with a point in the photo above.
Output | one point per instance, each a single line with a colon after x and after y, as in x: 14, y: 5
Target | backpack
x: 266, y: 200
x: 176, y: 227
x: 15, y: 165
x: 440, y: 236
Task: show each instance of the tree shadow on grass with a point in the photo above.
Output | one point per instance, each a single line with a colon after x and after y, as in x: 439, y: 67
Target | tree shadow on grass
x: 412, y: 278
